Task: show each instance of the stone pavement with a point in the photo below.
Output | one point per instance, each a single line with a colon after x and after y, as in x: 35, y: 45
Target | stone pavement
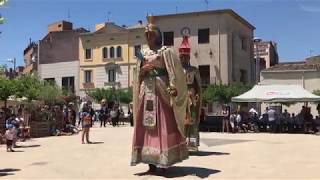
x: 222, y: 156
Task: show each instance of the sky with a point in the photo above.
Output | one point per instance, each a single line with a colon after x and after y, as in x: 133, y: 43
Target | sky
x: 293, y: 24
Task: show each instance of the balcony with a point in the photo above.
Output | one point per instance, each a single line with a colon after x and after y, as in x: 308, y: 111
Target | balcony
x: 88, y: 85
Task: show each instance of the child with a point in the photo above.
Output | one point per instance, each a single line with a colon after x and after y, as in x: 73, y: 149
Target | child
x: 9, y: 135
x: 86, y: 124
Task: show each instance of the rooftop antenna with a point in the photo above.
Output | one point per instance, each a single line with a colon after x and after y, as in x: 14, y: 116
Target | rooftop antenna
x: 108, y: 17
x: 69, y: 16
x: 311, y: 51
x: 207, y: 3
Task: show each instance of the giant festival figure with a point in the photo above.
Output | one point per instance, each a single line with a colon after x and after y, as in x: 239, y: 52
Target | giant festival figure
x: 194, y: 97
x: 160, y: 101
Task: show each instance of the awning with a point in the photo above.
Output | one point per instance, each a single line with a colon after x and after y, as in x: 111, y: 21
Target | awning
x: 277, y: 93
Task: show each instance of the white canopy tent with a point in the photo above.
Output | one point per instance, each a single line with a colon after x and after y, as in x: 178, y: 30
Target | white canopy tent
x: 277, y: 94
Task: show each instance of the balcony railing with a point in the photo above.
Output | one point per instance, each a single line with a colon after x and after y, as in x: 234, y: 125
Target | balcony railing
x: 88, y: 85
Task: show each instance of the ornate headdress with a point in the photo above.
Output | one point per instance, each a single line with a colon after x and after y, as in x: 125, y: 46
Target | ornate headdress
x: 150, y: 26
x: 153, y: 28
x: 185, y: 47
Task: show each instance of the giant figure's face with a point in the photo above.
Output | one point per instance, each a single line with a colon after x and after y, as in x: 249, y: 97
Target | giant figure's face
x: 185, y: 59
x: 151, y: 38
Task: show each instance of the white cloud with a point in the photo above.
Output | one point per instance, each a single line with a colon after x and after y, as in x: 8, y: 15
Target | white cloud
x: 310, y: 8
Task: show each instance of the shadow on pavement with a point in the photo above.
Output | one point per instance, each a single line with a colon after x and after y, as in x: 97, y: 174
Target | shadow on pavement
x: 207, y: 153
x: 29, y: 146
x: 96, y: 142
x: 42, y: 163
x: 8, y: 171
x: 219, y: 142
x: 17, y: 151
x: 177, y: 171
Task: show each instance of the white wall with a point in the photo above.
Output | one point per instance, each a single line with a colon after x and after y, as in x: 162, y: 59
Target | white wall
x: 59, y: 70
x: 102, y: 76
x: 310, y: 80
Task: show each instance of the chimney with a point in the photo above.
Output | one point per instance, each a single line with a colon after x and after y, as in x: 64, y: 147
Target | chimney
x: 60, y: 26
x: 100, y: 26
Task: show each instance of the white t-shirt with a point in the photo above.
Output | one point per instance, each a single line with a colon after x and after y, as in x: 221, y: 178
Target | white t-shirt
x: 238, y: 118
x: 9, y: 134
x: 271, y: 115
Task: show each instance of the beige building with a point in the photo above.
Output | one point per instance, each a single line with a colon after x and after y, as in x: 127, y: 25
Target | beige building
x: 107, y: 55
x: 220, y: 40
x: 305, y: 73
x: 265, y: 56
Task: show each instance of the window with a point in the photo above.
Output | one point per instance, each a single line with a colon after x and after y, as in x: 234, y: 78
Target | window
x: 87, y: 76
x: 243, y: 76
x: 168, y: 38
x: 111, y: 75
x: 51, y: 81
x: 203, y: 36
x: 205, y: 74
x: 105, y: 53
x: 112, y: 52
x: 68, y: 84
x: 88, y: 54
x: 137, y: 48
x: 119, y: 52
x: 244, y: 44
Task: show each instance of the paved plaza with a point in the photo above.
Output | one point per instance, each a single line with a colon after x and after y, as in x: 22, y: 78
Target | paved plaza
x: 221, y: 156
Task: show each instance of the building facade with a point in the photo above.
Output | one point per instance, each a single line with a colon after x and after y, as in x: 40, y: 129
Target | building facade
x: 58, y: 56
x: 220, y: 41
x: 107, y: 56
x: 265, y: 56
x: 305, y: 73
x: 30, y: 56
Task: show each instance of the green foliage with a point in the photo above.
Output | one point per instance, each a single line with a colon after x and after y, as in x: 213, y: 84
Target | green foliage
x: 3, y: 2
x: 223, y: 93
x: 50, y: 94
x: 125, y: 95
x: 7, y: 88
x: 28, y: 86
x: 122, y: 95
x: 316, y: 92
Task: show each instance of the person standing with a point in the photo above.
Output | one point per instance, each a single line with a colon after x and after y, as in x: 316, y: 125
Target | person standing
x: 114, y: 115
x: 193, y: 79
x: 9, y: 135
x: 271, y: 119
x: 103, y: 115
x: 160, y: 95
x: 86, y: 124
x: 130, y: 116
x: 225, y: 119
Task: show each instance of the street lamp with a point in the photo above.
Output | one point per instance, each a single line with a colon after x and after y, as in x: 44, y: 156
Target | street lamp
x: 13, y: 61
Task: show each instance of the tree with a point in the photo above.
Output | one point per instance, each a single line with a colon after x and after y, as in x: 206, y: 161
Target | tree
x: 125, y: 95
x: 122, y: 95
x: 223, y: 93
x: 29, y: 86
x: 2, y: 3
x: 7, y: 89
x: 50, y: 93
x: 316, y: 92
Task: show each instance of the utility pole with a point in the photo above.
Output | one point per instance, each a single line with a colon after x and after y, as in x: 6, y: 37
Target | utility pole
x: 108, y: 17
x: 207, y: 4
